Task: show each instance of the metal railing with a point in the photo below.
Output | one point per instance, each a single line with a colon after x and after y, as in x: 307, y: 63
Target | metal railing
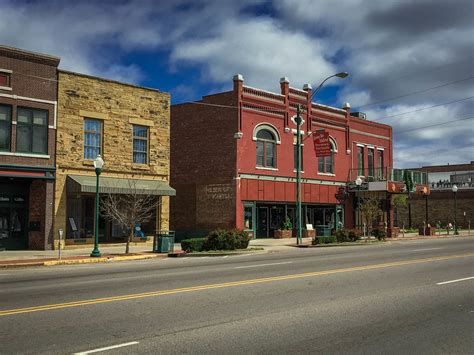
x: 389, y: 174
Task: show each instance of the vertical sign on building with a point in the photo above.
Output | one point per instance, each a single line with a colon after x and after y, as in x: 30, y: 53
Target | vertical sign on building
x: 322, y: 146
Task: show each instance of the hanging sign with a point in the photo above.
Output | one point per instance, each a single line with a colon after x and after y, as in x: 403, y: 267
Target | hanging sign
x: 322, y: 146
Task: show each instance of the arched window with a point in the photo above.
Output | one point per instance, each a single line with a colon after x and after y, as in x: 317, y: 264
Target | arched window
x: 266, y: 149
x: 326, y: 164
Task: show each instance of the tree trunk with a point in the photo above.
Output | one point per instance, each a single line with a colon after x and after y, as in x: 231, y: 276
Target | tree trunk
x: 127, y: 246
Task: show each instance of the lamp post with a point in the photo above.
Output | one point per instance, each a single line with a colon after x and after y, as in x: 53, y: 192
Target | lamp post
x: 455, y: 190
x: 98, y: 164
x: 358, y: 182
x: 298, y: 121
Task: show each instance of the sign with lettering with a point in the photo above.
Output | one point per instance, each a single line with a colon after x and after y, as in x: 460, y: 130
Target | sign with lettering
x: 322, y: 146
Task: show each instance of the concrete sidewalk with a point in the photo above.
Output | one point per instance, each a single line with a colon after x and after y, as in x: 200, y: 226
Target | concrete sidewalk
x: 111, y: 253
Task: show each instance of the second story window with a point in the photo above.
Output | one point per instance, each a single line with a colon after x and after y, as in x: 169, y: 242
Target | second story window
x: 266, y: 149
x: 5, y: 127
x: 326, y: 164
x: 32, y: 131
x: 140, y: 144
x: 92, y: 138
x: 4, y: 80
x: 370, y: 161
x: 360, y: 161
x: 380, y: 163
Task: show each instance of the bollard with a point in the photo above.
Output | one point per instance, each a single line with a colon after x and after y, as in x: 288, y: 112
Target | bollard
x: 60, y: 231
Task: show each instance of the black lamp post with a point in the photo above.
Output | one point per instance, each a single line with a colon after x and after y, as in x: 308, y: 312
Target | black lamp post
x: 299, y: 121
x: 455, y: 190
x: 98, y: 164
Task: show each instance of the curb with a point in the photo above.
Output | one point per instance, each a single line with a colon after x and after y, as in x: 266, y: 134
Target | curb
x: 81, y: 261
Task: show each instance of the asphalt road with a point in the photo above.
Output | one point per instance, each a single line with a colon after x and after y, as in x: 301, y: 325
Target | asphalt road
x: 395, y: 298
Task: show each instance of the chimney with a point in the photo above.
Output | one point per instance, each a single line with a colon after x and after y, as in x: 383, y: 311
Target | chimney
x: 238, y: 83
x: 285, y: 86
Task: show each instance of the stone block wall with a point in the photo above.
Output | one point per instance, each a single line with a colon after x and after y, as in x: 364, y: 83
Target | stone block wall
x: 119, y: 106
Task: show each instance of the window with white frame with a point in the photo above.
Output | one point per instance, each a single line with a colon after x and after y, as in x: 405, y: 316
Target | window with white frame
x: 266, y: 149
x: 140, y: 144
x: 326, y: 164
x: 32, y: 131
x: 5, y: 127
x: 92, y: 138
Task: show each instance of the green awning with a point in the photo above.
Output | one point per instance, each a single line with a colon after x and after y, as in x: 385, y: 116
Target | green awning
x: 108, y: 185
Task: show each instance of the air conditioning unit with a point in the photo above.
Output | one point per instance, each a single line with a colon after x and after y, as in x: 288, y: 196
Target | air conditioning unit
x: 360, y: 115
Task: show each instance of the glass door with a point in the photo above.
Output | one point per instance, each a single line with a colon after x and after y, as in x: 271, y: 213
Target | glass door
x: 262, y: 223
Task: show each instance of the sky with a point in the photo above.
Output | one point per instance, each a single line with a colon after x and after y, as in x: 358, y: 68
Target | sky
x: 411, y: 63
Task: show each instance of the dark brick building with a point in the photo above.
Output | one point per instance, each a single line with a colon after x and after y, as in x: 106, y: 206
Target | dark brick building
x: 28, y: 114
x: 233, y: 165
x: 439, y: 205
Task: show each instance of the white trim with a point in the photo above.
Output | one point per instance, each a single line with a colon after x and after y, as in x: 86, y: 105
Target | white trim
x: 28, y: 155
x: 293, y: 130
x: 302, y: 171
x: 265, y: 91
x: 270, y: 127
x: 291, y: 179
x: 54, y: 103
x: 292, y: 119
x: 380, y: 148
x: 369, y: 134
x: 326, y: 174
x: 370, y: 147
x: 265, y: 168
x: 8, y: 71
x: 14, y: 122
x: 359, y: 145
x: 7, y: 88
x: 333, y: 140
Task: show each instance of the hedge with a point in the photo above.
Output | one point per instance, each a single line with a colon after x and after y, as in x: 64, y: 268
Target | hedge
x: 194, y: 244
x: 220, y: 239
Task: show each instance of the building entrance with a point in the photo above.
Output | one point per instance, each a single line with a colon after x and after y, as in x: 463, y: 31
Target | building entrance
x: 13, y: 217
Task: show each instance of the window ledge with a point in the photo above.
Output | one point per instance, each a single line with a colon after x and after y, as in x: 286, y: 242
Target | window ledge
x: 140, y: 166
x: 26, y: 155
x: 88, y: 162
x: 264, y: 168
x: 6, y: 88
x: 326, y: 174
x: 302, y: 171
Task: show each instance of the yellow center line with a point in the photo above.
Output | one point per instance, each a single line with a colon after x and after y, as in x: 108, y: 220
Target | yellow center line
x: 226, y: 284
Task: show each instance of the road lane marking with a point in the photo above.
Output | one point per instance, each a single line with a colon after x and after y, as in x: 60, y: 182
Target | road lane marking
x: 458, y: 280
x: 107, y: 348
x: 260, y: 265
x: 426, y: 249
x: 48, y: 307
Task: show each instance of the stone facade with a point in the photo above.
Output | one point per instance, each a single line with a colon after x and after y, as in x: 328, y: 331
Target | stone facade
x: 118, y: 106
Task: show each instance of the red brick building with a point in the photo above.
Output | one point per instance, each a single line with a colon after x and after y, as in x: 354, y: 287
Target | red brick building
x: 232, y: 161
x: 28, y: 101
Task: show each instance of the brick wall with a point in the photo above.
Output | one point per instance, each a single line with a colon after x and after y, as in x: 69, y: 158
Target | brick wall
x: 40, y: 210
x: 203, y: 155
x: 440, y: 208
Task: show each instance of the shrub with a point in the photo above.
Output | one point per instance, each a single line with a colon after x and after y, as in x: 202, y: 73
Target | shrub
x: 354, y: 234
x: 221, y: 239
x: 286, y: 224
x: 348, y: 235
x: 194, y: 244
x: 324, y: 240
x: 379, y: 233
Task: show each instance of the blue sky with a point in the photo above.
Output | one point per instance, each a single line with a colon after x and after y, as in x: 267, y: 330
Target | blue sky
x: 410, y: 62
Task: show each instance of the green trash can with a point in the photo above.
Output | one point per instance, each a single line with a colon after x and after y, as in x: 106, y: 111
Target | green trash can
x: 163, y: 242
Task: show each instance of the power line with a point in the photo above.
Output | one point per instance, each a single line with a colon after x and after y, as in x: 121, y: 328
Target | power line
x: 422, y: 109
x: 435, y: 125
x: 416, y: 92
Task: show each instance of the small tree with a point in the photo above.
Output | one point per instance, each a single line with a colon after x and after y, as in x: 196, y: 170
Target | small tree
x: 370, y: 209
x: 129, y: 209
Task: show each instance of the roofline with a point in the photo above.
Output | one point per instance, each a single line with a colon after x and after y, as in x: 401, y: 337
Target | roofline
x: 32, y: 55
x: 111, y: 81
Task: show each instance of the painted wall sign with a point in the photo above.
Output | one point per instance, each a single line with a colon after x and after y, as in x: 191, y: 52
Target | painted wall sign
x: 322, y: 146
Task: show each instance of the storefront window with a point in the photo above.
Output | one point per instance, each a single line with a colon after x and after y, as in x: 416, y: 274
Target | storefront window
x: 248, y: 217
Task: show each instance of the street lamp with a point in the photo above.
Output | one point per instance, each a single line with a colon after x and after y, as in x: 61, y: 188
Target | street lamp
x: 358, y: 184
x: 298, y: 121
x: 98, y: 164
x: 455, y: 190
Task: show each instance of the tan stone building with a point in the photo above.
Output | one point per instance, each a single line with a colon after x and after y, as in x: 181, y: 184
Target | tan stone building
x: 129, y: 127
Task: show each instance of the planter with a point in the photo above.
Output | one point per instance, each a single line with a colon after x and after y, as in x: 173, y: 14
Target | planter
x: 428, y: 231
x: 393, y: 232
x: 282, y: 233
x: 309, y: 233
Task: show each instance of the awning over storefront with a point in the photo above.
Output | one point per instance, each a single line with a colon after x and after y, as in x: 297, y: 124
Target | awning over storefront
x: 108, y: 185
